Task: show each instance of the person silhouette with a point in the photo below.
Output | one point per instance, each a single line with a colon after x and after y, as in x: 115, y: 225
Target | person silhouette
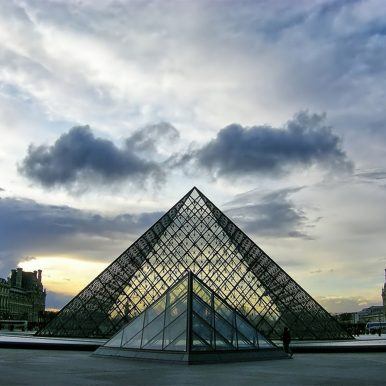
x: 286, y: 338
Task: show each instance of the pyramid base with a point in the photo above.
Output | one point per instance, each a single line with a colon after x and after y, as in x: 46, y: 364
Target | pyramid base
x: 191, y: 358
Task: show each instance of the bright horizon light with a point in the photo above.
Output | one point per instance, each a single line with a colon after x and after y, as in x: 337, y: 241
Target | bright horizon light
x: 66, y: 275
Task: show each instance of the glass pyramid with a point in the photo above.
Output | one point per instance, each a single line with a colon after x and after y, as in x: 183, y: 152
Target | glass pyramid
x: 188, y: 323
x: 162, y: 326
x: 195, y: 235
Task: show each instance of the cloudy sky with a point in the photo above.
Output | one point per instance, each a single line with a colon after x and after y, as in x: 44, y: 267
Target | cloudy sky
x: 110, y: 111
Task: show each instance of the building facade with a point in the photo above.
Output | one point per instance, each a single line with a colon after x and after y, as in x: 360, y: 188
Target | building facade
x: 371, y: 314
x: 356, y: 321
x: 384, y: 298
x: 22, y: 296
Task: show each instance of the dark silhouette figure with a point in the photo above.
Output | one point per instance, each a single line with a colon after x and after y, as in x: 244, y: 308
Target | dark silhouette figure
x: 286, y: 338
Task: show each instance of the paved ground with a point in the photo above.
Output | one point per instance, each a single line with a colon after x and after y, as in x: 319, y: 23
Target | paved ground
x: 70, y: 368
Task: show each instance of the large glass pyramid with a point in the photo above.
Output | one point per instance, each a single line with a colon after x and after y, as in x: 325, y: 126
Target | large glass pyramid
x: 195, y: 235
x: 190, y: 323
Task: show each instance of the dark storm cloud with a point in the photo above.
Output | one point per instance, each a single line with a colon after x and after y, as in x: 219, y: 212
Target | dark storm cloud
x: 78, y: 155
x: 27, y: 226
x: 271, y: 215
x: 148, y: 138
x: 304, y: 141
x: 8, y: 261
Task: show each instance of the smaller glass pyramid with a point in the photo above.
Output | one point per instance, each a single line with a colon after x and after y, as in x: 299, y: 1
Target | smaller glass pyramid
x: 190, y: 323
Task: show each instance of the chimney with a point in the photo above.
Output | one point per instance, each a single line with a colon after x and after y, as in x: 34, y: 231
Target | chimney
x: 19, y: 276
x: 39, y: 275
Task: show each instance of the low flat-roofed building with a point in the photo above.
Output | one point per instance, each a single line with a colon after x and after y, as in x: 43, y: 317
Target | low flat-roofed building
x: 371, y: 314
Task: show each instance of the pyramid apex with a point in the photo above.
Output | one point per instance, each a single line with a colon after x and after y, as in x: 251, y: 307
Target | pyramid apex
x: 195, y: 190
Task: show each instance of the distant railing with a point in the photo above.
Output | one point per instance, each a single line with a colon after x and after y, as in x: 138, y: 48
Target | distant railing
x: 374, y: 327
x: 9, y: 324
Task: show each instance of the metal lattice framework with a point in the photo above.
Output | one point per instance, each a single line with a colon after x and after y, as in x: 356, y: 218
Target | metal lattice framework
x: 190, y: 323
x: 195, y: 235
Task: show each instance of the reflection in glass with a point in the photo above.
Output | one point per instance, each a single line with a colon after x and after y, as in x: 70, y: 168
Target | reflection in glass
x: 135, y: 326
x: 175, y: 310
x: 153, y: 311
x: 152, y: 329
x: 201, y: 291
x: 204, y: 311
x: 203, y: 331
x: 134, y: 341
x: 175, y: 329
x: 116, y: 340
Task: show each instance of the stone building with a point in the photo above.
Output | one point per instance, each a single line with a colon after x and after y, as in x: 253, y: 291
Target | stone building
x: 371, y: 314
x: 384, y: 298
x: 22, y: 296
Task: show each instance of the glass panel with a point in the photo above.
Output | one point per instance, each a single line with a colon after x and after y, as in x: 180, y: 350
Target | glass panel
x: 175, y: 310
x: 178, y: 344
x: 263, y: 343
x: 175, y: 329
x: 115, y: 341
x: 224, y: 310
x: 201, y: 329
x: 132, y: 329
x: 178, y: 291
x: 201, y: 291
x: 243, y: 343
x: 152, y: 329
x: 135, y: 341
x: 198, y: 344
x: 155, y: 343
x: 221, y: 344
x: 226, y: 330
x: 246, y: 329
x: 203, y: 310
x: 152, y: 312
